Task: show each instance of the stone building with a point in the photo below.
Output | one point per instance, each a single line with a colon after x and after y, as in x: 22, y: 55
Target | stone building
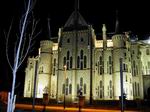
x: 81, y: 61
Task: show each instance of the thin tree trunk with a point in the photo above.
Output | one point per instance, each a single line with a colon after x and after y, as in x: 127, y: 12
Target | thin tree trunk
x: 11, y: 98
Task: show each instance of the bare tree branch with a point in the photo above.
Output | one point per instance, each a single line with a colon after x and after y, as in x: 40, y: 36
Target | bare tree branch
x: 7, y: 36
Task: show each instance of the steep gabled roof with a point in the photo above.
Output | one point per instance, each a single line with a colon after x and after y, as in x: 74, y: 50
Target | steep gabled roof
x: 75, y: 21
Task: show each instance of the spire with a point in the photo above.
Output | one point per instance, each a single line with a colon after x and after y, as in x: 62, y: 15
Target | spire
x: 104, y: 36
x: 49, y: 28
x: 117, y: 30
x: 104, y: 31
x: 76, y: 5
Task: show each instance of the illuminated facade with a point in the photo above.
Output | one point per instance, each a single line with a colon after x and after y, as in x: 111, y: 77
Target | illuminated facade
x: 92, y: 65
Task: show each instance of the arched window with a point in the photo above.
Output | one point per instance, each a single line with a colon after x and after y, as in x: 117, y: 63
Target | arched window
x: 81, y: 54
x: 68, y: 53
x: 85, y: 61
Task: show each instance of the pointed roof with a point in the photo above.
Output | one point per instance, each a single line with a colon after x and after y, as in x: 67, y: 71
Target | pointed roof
x: 75, y: 21
x: 117, y: 26
x: 72, y: 22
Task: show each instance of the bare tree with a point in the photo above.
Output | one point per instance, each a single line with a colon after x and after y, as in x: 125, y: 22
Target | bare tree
x: 22, y: 46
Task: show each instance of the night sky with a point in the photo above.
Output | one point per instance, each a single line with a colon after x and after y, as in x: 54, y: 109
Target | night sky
x: 133, y: 16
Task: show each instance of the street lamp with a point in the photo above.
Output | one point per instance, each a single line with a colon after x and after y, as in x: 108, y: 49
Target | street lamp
x: 65, y: 68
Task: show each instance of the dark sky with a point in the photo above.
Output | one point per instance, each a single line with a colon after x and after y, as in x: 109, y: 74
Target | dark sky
x: 133, y: 16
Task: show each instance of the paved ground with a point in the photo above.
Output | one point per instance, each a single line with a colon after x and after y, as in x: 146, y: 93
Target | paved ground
x: 67, y: 109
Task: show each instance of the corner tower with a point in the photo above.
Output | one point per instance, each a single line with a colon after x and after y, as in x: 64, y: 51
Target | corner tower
x: 44, y: 70
x: 121, y: 49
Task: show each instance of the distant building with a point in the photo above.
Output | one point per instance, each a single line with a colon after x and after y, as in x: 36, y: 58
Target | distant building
x: 80, y: 61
